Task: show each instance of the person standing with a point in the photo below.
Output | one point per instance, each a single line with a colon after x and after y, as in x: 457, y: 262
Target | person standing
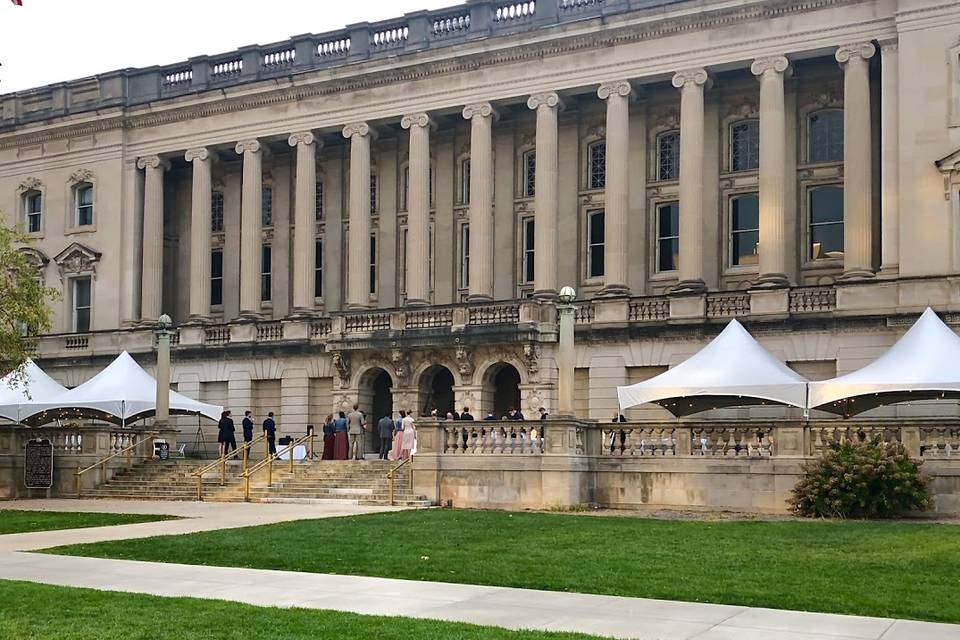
x: 270, y: 429
x: 341, y: 448
x: 409, y: 441
x: 247, y: 425
x: 543, y: 413
x: 328, y: 438
x: 225, y: 430
x: 397, y: 444
x: 618, y: 418
x: 385, y: 426
x: 466, y: 415
x: 356, y: 426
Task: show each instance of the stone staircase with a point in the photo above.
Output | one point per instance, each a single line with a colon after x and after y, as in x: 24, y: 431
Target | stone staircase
x: 327, y: 481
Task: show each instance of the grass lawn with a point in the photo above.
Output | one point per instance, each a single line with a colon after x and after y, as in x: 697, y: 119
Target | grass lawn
x: 889, y: 569
x: 41, y: 612
x: 27, y: 521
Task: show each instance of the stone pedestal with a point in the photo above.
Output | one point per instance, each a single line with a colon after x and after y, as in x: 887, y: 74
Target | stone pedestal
x: 770, y: 302
x: 688, y: 307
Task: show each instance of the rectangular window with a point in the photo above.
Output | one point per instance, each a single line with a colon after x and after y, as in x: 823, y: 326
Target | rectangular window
x: 405, y: 189
x: 373, y: 264
x: 266, y: 202
x: 595, y: 242
x: 318, y: 201
x: 266, y: 273
x: 826, y: 222
x: 668, y: 236
x: 465, y: 256
x: 216, y: 212
x: 528, y: 240
x: 84, y: 216
x: 745, y: 145
x: 465, y: 181
x: 744, y: 229
x: 530, y: 174
x: 668, y: 155
x: 598, y: 164
x: 403, y: 260
x: 33, y: 206
x: 318, y: 270
x: 216, y: 277
x: 81, y: 305
x: 373, y: 193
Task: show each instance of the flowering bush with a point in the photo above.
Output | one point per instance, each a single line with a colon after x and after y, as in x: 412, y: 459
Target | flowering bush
x: 861, y: 480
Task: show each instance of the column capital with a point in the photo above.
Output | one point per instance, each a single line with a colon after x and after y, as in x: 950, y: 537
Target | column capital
x: 847, y: 52
x: 774, y: 64
x: 304, y: 138
x: 620, y: 88
x: 421, y: 120
x: 361, y: 129
x: 690, y: 78
x: 480, y: 110
x: 152, y: 162
x: 548, y: 99
x: 198, y: 153
x: 249, y: 146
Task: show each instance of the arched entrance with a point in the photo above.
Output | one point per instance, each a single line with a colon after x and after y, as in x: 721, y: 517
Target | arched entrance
x: 501, y: 389
x: 375, y: 397
x: 435, y: 391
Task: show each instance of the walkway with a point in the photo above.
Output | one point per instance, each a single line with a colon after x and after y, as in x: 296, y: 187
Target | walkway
x: 513, y: 608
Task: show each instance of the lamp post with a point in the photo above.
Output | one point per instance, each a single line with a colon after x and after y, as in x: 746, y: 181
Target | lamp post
x: 163, y: 331
x: 565, y: 354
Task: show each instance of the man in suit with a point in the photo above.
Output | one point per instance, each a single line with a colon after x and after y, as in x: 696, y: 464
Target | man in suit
x: 385, y: 426
x: 466, y: 415
x: 270, y: 429
x: 247, y: 427
x: 356, y: 425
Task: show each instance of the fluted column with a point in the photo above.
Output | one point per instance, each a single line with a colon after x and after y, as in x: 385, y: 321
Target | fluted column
x: 358, y: 245
x: 773, y: 170
x: 547, y: 106
x: 890, y: 158
x: 481, y: 117
x: 691, y: 84
x: 857, y: 205
x: 304, y: 220
x: 418, y: 209
x: 200, y: 232
x: 251, y: 205
x: 616, y: 199
x: 151, y: 292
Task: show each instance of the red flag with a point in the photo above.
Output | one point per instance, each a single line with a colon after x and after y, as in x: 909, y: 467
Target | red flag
x: 19, y: 3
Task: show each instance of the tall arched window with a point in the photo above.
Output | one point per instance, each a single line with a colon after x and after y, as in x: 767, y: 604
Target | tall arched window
x: 668, y: 155
x: 745, y: 145
x: 83, y: 196
x: 597, y: 164
x: 825, y: 136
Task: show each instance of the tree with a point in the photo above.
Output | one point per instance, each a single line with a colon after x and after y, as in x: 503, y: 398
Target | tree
x: 24, y: 303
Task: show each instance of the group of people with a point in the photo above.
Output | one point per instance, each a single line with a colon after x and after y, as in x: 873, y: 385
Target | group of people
x: 343, y: 436
x: 226, y: 432
x: 513, y: 414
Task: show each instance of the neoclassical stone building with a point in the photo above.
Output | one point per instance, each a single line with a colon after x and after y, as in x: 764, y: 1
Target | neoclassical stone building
x: 385, y: 213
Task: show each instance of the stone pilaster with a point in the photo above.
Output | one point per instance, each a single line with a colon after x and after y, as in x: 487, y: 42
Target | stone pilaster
x: 773, y: 170
x: 616, y: 199
x: 304, y: 220
x: 418, y: 210
x: 691, y: 269
x: 151, y: 290
x: 481, y: 117
x: 358, y: 245
x: 547, y: 106
x: 200, y: 204
x: 890, y: 158
x: 251, y: 212
x: 857, y: 170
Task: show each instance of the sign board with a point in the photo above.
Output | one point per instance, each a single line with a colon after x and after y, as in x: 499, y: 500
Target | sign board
x: 161, y: 449
x: 38, y: 464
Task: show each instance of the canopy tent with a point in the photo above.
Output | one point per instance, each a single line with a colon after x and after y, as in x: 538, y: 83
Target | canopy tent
x: 19, y: 388
x: 733, y: 370
x: 123, y: 392
x: 924, y: 364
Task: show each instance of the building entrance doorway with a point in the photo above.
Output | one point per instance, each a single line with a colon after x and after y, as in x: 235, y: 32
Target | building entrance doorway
x: 436, y: 391
x: 375, y: 400
x: 501, y: 389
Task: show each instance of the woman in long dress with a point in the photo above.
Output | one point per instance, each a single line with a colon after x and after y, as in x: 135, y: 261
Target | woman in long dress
x: 328, y: 438
x: 409, y: 443
x: 397, y: 446
x: 341, y: 444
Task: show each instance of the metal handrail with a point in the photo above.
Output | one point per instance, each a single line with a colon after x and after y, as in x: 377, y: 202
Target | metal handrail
x: 102, y: 463
x: 222, y: 463
x: 268, y: 462
x: 392, y: 475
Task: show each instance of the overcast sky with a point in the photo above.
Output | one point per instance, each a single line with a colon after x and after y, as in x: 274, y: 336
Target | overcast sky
x: 48, y: 41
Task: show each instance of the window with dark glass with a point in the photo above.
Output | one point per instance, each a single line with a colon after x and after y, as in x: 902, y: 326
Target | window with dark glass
x: 266, y: 201
x: 668, y: 236
x: 373, y: 264
x: 405, y: 189
x: 595, y: 241
x: 529, y: 239
x: 826, y: 222
x: 84, y: 196
x: 216, y: 277
x: 744, y: 229
x: 266, y: 273
x: 668, y: 155
x: 33, y: 209
x: 597, y: 153
x: 318, y: 201
x: 530, y: 174
x: 465, y: 256
x: 81, y: 305
x: 825, y: 136
x: 465, y: 181
x: 216, y: 212
x: 745, y: 145
x: 318, y: 270
x: 373, y: 193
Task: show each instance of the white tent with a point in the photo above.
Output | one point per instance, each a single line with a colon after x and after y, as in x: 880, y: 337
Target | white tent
x: 123, y: 392
x: 924, y: 364
x: 21, y: 388
x: 733, y: 370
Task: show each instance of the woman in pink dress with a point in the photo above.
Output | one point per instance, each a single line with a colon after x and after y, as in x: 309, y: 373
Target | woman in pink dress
x: 397, y: 438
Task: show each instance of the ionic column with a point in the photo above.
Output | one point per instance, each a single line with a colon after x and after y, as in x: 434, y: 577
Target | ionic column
x: 481, y: 117
x: 547, y: 106
x: 304, y: 220
x: 251, y: 205
x: 773, y: 170
x: 151, y: 292
x: 418, y: 209
x: 889, y: 158
x: 358, y: 245
x: 691, y: 83
x: 857, y: 247
x: 200, y: 232
x: 616, y: 199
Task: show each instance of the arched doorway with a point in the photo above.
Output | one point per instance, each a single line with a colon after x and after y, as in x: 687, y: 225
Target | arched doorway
x: 375, y: 397
x: 435, y: 391
x: 501, y: 389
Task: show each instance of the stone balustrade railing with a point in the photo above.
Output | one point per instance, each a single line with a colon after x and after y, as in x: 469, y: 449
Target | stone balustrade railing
x: 493, y: 437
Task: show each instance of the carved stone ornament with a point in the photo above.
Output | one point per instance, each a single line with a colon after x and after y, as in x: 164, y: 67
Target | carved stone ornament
x: 302, y: 137
x: 248, y: 146
x: 690, y: 78
x: 342, y: 366
x: 464, y: 358
x: 480, y: 110
x: 550, y: 99
x: 200, y: 153
x: 77, y: 259
x: 531, y: 355
x: 30, y: 184
x: 421, y: 120
x: 35, y: 258
x: 401, y: 365
x: 359, y: 129
x: 852, y: 51
x: 620, y: 88
x: 80, y: 176
x: 152, y: 162
x: 773, y: 64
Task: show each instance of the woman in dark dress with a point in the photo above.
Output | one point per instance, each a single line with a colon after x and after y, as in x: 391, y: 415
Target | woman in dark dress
x: 341, y: 444
x: 225, y: 431
x: 328, y: 438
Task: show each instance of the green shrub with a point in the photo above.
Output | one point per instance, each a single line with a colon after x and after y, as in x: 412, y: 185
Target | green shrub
x: 861, y: 480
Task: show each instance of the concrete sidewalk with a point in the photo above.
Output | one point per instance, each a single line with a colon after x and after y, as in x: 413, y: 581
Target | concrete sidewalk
x: 618, y: 617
